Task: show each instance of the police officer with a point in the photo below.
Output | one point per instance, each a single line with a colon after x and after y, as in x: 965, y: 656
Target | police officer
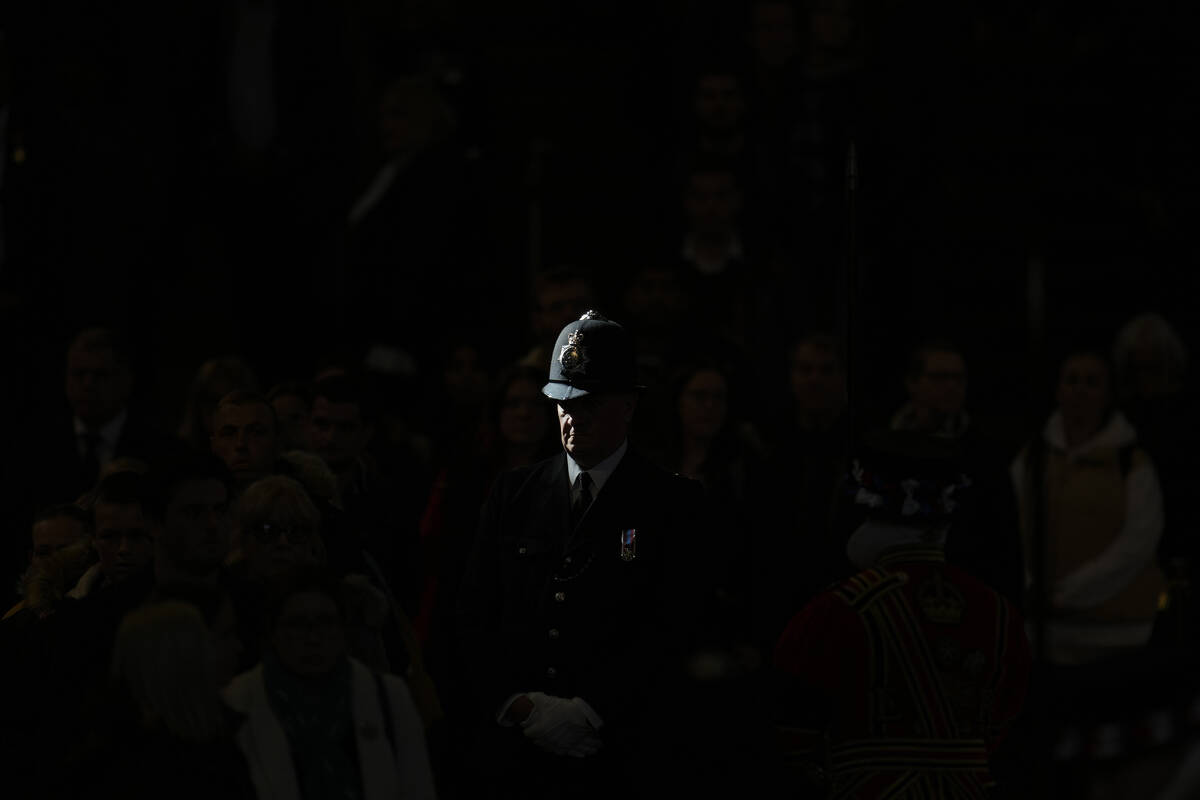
x: 579, y: 588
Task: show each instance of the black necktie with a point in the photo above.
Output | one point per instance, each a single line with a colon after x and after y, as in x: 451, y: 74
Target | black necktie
x: 582, y: 498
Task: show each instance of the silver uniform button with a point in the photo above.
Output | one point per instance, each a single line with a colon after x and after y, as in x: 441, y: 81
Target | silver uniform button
x: 551, y: 672
x: 521, y: 551
x: 560, y: 597
x: 553, y: 633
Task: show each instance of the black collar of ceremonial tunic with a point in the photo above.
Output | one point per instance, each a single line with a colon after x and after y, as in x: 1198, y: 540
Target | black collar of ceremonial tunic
x: 914, y: 554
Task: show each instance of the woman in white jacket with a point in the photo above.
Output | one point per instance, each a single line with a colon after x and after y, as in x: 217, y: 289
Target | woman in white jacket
x: 318, y: 723
x: 1102, y: 519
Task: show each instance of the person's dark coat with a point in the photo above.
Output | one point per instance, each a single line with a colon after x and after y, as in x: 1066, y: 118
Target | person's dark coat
x: 570, y: 612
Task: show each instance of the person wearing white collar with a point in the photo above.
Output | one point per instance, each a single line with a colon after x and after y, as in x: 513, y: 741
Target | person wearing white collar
x: 574, y: 598
x: 98, y: 384
x: 1103, y: 519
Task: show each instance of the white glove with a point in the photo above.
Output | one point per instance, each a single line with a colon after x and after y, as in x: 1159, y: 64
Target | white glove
x: 561, y: 726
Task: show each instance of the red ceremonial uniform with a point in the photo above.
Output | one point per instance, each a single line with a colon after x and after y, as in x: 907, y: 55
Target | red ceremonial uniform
x: 923, y: 667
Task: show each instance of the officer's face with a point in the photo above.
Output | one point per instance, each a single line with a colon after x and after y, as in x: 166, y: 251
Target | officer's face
x: 593, y: 427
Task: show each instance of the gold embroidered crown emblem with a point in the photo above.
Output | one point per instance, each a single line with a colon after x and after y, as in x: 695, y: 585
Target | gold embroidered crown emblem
x: 940, y: 602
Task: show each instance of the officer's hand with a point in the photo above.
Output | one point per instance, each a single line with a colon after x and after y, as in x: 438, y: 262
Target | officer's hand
x: 560, y: 726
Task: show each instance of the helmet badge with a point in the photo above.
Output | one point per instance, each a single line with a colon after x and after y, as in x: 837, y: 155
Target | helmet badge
x: 573, y: 357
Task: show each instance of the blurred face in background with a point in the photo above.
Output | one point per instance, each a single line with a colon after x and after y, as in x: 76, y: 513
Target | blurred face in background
x: 773, y: 32
x: 51, y: 535
x: 712, y: 202
x: 409, y: 116
x: 339, y: 433
x: 817, y: 381
x: 293, y: 413
x: 594, y: 426
x: 718, y: 102
x: 524, y: 417
x: 656, y: 299
x: 97, y: 384
x: 704, y: 405
x: 123, y: 540
x: 1084, y: 392
x: 466, y: 378
x: 246, y: 439
x: 559, y: 304
x: 1150, y: 371
x: 197, y: 529
x: 941, y: 388
x: 309, y: 637
x: 831, y: 24
x: 276, y: 544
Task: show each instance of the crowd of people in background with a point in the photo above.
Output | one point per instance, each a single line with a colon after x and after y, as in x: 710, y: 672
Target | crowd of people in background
x: 279, y: 316
x: 310, y: 531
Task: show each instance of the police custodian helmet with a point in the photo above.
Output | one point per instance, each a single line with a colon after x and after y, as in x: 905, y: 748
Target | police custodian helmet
x: 593, y: 354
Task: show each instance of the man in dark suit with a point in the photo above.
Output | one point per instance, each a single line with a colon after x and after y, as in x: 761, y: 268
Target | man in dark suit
x: 63, y: 449
x: 98, y: 383
x: 580, y: 590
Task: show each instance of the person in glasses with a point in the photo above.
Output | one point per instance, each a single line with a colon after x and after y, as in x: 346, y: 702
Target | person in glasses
x: 277, y: 527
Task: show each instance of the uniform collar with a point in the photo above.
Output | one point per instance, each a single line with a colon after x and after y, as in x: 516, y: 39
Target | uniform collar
x: 602, y: 471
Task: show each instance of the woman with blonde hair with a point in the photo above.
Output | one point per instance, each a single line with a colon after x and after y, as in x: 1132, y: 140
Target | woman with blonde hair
x: 180, y: 699
x: 168, y: 733
x: 277, y: 526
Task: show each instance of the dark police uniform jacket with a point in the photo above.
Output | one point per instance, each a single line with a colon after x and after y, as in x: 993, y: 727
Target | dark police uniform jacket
x: 594, y: 612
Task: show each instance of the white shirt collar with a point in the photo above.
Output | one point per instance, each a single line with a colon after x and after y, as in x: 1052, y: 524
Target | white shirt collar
x: 108, y: 434
x: 601, y: 472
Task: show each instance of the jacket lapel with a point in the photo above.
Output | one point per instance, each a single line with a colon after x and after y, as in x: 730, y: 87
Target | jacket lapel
x: 556, y: 487
x: 599, y: 526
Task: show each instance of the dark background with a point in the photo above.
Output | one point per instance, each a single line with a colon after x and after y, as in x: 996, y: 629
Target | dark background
x: 991, y: 137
